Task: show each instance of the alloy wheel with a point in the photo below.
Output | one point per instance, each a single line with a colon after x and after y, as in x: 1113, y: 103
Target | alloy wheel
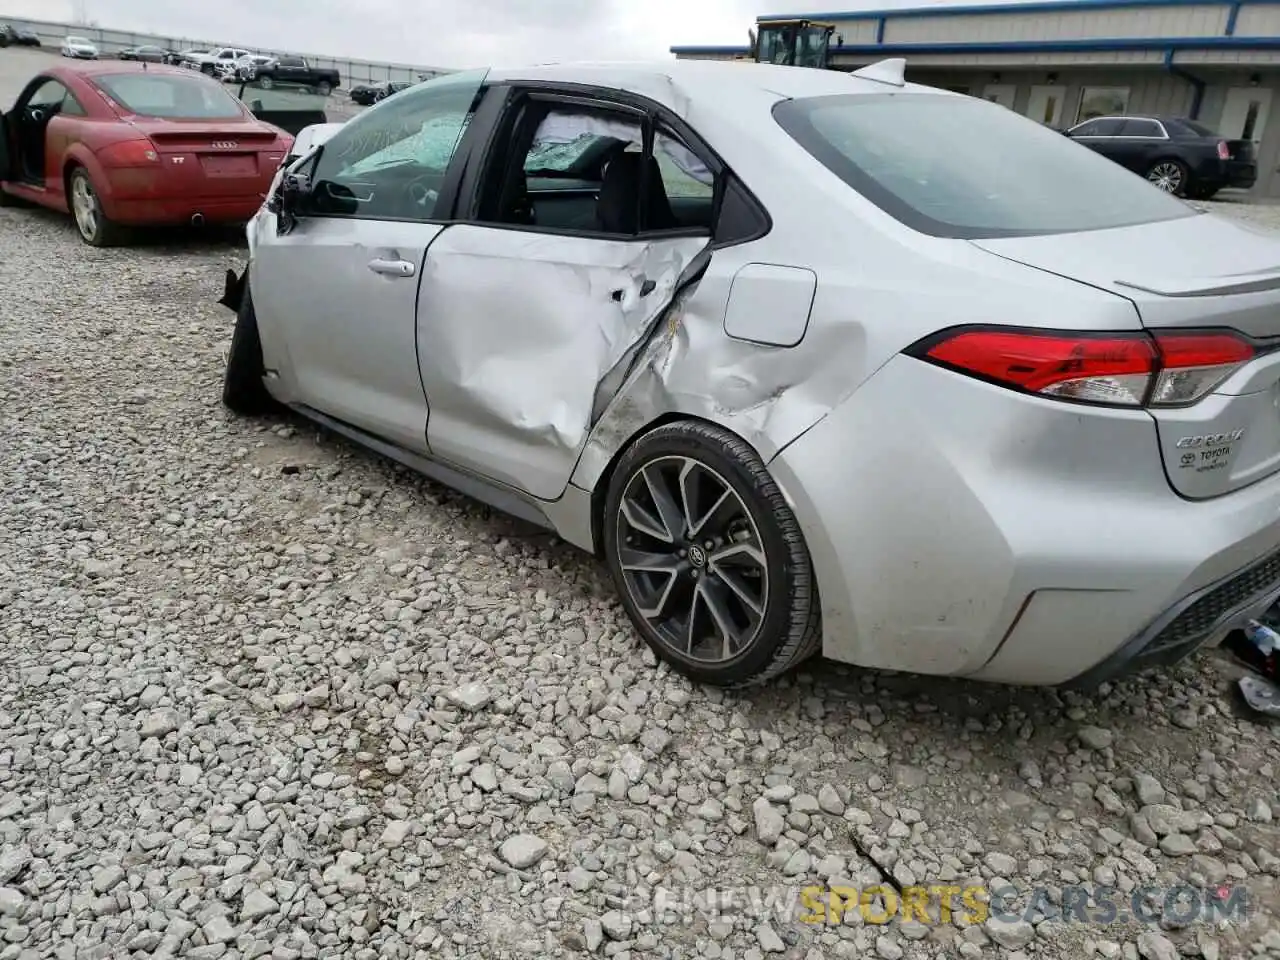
x: 692, y: 559
x: 1166, y: 176
x: 85, y: 206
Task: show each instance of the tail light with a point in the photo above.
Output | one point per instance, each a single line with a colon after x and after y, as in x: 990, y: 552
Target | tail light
x: 1114, y: 369
x: 129, y: 153
x: 1224, y: 152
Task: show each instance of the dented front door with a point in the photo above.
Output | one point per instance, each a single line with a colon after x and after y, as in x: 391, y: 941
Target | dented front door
x: 521, y: 331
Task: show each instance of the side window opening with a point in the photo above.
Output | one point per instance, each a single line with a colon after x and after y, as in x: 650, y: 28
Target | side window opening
x: 587, y: 169
x: 391, y: 163
x: 555, y: 171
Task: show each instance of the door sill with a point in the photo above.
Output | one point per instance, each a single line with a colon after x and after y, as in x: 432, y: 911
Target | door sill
x: 498, y: 496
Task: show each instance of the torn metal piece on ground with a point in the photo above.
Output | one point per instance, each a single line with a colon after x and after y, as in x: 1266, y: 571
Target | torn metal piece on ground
x: 1261, y: 696
x: 233, y: 291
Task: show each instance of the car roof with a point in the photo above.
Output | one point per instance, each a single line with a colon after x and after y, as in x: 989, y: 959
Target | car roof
x: 1159, y: 117
x: 98, y: 68
x: 704, y: 78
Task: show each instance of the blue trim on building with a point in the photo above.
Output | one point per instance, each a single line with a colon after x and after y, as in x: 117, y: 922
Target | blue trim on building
x: 1040, y: 6
x: 880, y: 30
x: 1232, y: 16
x: 1197, y: 85
x: 1031, y: 46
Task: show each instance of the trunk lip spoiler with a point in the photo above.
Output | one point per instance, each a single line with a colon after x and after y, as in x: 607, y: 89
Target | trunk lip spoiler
x: 1217, y: 287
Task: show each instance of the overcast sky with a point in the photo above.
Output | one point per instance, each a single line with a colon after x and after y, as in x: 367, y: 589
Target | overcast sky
x: 447, y: 33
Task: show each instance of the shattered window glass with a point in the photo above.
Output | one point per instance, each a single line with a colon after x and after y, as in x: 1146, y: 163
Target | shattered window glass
x: 431, y: 145
x: 390, y: 162
x: 558, y: 157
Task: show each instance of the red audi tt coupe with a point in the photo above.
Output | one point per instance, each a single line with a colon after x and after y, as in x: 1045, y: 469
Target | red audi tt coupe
x: 123, y: 144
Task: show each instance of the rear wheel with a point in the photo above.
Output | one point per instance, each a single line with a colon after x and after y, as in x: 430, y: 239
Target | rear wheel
x: 265, y: 82
x: 243, y: 391
x: 1169, y: 176
x: 323, y: 88
x: 93, y: 225
x: 708, y: 558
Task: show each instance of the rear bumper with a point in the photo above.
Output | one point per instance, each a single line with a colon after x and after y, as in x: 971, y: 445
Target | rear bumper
x: 1202, y: 618
x: 181, y: 210
x: 958, y: 528
x: 155, y: 197
x: 1241, y: 174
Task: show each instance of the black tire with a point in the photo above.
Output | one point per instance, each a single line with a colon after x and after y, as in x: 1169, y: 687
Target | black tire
x: 104, y: 232
x: 324, y: 88
x: 265, y: 81
x: 243, y: 391
x: 1177, y: 180
x: 788, y: 629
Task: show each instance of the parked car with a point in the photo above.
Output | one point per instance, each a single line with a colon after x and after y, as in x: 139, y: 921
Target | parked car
x: 79, y: 48
x: 208, y: 63
x: 179, y: 58
x: 247, y: 67
x: 11, y: 36
x: 298, y: 70
x: 393, y: 87
x: 145, y: 53
x: 366, y: 94
x: 101, y: 142
x: 800, y: 360
x: 1177, y: 155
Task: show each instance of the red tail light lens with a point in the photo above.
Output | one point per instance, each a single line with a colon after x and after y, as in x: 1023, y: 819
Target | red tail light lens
x: 1224, y: 152
x: 1167, y: 369
x: 129, y: 153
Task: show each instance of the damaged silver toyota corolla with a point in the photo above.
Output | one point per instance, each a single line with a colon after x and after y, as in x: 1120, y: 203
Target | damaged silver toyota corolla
x: 816, y: 362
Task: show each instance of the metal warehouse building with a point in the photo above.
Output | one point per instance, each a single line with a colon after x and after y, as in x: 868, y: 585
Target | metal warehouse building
x: 1063, y: 61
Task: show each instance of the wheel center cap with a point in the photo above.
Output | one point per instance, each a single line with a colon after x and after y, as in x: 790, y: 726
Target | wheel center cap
x: 697, y: 556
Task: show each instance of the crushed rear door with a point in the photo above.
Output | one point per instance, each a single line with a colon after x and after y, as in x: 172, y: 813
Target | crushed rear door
x: 1199, y: 272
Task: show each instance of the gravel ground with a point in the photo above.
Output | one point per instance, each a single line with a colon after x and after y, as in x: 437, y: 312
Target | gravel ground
x: 265, y: 694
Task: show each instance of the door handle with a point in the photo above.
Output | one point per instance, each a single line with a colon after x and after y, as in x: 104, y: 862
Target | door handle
x: 392, y: 268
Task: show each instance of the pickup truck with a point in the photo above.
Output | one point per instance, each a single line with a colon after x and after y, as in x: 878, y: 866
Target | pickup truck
x: 207, y: 61
x: 297, y: 70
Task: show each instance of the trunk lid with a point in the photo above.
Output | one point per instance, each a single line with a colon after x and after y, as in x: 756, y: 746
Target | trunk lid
x: 1196, y: 272
x: 217, y: 158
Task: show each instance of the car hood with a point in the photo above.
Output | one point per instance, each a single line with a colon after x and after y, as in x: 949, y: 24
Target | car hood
x: 313, y: 136
x: 1202, y: 269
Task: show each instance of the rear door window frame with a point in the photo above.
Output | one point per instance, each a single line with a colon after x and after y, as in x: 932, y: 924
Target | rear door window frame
x: 743, y: 216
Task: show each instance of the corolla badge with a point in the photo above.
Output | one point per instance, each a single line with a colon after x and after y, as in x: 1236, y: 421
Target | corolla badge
x: 1209, y: 440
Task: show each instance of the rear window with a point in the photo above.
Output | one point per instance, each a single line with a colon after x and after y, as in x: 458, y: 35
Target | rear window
x: 1188, y: 128
x: 965, y: 168
x: 165, y: 95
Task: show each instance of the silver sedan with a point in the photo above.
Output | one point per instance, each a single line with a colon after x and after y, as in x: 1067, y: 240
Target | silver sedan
x: 815, y: 362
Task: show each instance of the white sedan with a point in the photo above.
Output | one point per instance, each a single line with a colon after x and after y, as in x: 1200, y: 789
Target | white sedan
x: 814, y: 362
x: 79, y: 48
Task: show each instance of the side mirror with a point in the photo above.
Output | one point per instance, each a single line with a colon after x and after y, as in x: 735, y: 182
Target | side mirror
x: 289, y: 202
